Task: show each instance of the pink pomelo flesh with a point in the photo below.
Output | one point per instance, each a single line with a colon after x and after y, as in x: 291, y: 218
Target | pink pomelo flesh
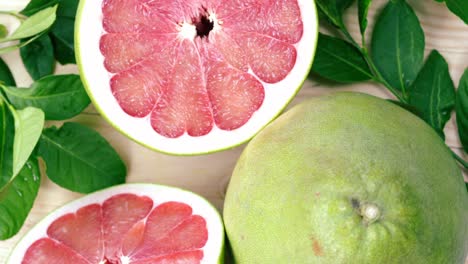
x: 188, y: 66
x: 125, y: 228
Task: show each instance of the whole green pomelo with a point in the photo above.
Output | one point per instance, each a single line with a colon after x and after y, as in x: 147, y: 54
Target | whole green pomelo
x: 347, y: 178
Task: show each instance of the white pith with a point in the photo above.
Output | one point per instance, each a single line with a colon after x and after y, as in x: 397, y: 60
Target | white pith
x: 159, y: 194
x: 187, y: 31
x: 96, y: 78
x: 216, y: 23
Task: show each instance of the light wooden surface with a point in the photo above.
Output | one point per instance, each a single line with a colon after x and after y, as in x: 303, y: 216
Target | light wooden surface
x: 208, y: 175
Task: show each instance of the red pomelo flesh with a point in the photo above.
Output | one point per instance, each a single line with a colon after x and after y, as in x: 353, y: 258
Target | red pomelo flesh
x: 166, y: 63
x: 124, y: 227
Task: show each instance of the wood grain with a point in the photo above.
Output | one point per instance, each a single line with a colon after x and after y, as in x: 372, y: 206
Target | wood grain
x: 208, y: 175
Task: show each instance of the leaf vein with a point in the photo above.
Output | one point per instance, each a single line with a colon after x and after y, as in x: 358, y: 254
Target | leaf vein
x: 72, y: 154
x: 332, y: 54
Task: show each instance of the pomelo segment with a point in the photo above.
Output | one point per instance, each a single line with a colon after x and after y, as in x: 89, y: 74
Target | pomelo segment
x: 132, y: 223
x: 194, y: 76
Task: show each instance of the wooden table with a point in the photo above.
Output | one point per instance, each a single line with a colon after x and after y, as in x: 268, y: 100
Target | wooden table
x: 209, y: 175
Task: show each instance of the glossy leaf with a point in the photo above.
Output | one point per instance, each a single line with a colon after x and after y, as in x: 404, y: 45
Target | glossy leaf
x: 338, y: 60
x: 80, y: 159
x: 29, y: 123
x: 35, y: 6
x: 462, y: 110
x: 59, y: 96
x: 35, y: 24
x: 7, y: 135
x: 11, y: 48
x: 433, y: 92
x: 6, y: 78
x: 363, y: 9
x: 344, y: 4
x: 38, y: 57
x: 459, y: 8
x: 62, y: 32
x: 334, y: 10
x: 17, y: 198
x: 397, y: 46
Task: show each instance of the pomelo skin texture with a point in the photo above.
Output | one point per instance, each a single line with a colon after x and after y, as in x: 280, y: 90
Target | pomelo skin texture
x: 347, y: 178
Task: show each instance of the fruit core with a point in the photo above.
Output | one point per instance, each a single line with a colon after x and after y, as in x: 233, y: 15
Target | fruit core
x: 204, y: 24
x: 122, y: 260
x: 200, y: 25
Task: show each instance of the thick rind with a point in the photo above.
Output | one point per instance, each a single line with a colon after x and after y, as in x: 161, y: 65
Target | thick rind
x: 214, y: 248
x: 337, y: 148
x: 217, y: 140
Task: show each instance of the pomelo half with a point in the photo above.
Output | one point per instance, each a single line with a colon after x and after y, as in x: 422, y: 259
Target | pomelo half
x: 127, y: 224
x: 193, y: 76
x: 347, y: 178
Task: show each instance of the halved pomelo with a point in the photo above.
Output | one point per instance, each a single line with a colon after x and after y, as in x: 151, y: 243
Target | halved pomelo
x: 130, y: 223
x: 194, y: 76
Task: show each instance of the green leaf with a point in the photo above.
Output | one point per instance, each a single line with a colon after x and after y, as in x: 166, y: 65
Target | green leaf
x: 35, y: 24
x: 67, y: 8
x: 461, y: 108
x: 62, y: 36
x: 3, y: 31
x: 334, y: 9
x: 62, y: 32
x: 459, y: 8
x: 6, y: 78
x: 38, y: 57
x: 11, y: 48
x: 80, y: 159
x: 17, y: 198
x: 363, y: 9
x: 7, y: 135
x: 35, y: 6
x: 433, y: 92
x: 344, y: 4
x: 59, y: 96
x: 398, y: 44
x: 338, y: 60
x: 29, y: 123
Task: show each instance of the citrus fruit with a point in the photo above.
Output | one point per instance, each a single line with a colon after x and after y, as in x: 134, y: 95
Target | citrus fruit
x: 347, y: 178
x: 193, y: 76
x: 130, y: 223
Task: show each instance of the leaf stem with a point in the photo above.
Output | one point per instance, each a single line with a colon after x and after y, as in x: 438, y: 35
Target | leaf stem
x: 460, y: 160
x: 20, y: 45
x: 377, y: 76
x: 363, y: 42
x: 350, y: 38
x: 14, y: 14
x: 2, y: 96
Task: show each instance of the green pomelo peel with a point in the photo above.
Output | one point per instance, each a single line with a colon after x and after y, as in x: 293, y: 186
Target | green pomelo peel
x: 347, y: 178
